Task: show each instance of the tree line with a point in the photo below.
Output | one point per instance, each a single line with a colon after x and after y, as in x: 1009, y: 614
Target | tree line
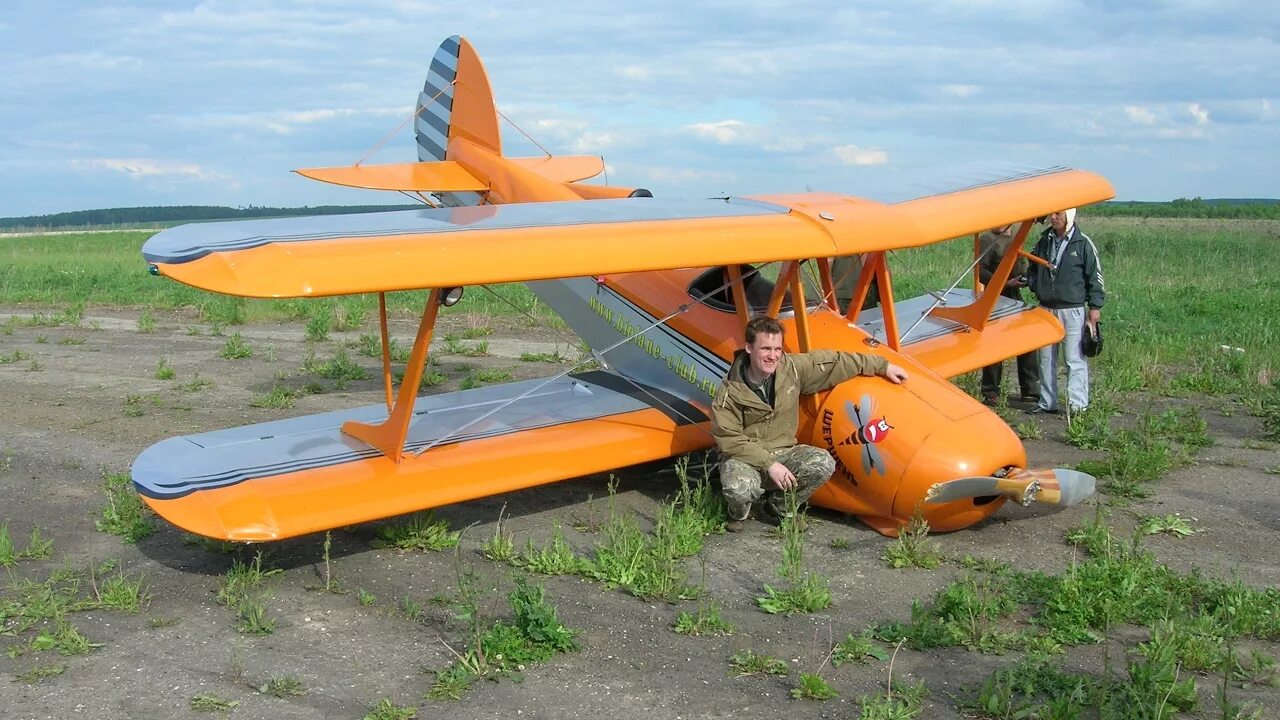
x: 176, y: 214
x: 1251, y: 208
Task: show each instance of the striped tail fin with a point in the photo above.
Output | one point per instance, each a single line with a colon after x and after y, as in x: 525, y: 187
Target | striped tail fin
x: 456, y: 102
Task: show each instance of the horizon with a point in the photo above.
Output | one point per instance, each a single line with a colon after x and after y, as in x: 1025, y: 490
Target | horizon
x: 137, y: 104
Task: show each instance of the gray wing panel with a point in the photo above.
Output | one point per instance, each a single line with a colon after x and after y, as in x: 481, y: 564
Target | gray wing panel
x: 179, y: 466
x: 192, y: 242
x: 909, y: 312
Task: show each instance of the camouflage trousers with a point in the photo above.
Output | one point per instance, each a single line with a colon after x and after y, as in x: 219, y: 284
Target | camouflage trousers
x: 743, y: 484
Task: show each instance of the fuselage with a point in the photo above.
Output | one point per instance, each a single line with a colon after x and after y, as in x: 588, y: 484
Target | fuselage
x: 891, y: 442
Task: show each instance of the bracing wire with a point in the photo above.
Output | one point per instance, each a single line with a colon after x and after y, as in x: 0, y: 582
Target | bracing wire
x: 595, y: 356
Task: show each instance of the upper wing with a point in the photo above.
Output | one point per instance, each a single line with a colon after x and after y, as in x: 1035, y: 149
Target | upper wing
x: 291, y: 477
x: 346, y: 254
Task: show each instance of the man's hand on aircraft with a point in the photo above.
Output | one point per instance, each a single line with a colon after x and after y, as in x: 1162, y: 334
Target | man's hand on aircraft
x: 895, y: 374
x: 781, y: 476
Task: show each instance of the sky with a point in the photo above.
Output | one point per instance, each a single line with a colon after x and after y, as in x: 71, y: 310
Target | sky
x: 114, y: 104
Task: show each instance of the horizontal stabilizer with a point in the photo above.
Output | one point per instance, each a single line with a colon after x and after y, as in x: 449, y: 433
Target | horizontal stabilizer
x: 443, y: 176
x: 1058, y: 486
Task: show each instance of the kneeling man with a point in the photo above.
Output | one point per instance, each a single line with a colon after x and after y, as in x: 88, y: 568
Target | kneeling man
x: 756, y: 413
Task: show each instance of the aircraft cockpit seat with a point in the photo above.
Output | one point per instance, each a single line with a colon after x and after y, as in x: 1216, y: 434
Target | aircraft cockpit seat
x: 712, y: 288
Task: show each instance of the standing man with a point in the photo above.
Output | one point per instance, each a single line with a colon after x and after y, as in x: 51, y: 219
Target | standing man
x: 992, y: 246
x: 1070, y: 288
x: 756, y: 413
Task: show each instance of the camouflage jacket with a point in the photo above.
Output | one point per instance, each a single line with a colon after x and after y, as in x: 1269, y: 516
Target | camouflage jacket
x: 746, y: 428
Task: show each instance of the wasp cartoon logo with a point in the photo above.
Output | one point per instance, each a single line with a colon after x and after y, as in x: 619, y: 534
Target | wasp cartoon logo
x: 867, y: 431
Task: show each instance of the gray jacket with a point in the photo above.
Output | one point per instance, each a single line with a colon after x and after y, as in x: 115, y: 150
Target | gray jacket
x: 1076, y: 280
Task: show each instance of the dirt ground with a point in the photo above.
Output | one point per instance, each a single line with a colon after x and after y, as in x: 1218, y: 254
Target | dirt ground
x: 85, y: 401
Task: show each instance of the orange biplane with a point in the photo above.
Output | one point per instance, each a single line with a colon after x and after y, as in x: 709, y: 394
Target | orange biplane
x: 660, y: 288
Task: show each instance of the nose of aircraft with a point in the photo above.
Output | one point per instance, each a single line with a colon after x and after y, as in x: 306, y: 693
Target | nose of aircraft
x: 978, y: 444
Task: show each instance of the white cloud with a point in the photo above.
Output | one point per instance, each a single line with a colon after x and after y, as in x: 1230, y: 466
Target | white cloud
x: 723, y: 132
x: 634, y: 72
x: 960, y: 91
x: 1140, y: 115
x: 854, y: 155
x: 1198, y: 113
x: 150, y: 168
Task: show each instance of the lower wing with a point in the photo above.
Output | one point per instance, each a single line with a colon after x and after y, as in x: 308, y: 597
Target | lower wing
x: 301, y: 475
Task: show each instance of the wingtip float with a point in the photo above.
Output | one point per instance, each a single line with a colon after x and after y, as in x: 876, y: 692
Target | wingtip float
x: 662, y: 287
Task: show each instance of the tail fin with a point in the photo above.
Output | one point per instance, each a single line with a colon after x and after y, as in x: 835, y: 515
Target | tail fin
x: 456, y: 101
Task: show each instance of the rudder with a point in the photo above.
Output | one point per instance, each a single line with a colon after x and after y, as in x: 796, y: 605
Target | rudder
x: 456, y: 102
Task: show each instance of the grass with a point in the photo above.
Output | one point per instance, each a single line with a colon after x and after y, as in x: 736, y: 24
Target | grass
x: 283, y: 687
x: 857, y: 649
x: 913, y: 548
x: 279, y: 397
x: 485, y: 376
x: 236, y: 348
x: 38, y: 547
x: 805, y: 591
x: 165, y: 371
x: 84, y: 269
x: 706, y: 620
x: 388, y: 710
x: 553, y: 558
x: 749, y: 662
x: 242, y: 591
x: 906, y: 704
x: 1168, y: 524
x: 124, y: 514
x: 420, y: 531
x: 206, y: 702
x: 502, y: 648
x: 40, y: 673
x: 551, y: 357
x: 811, y: 686
x: 339, y: 368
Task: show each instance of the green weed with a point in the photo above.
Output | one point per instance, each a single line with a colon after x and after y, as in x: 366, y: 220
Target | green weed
x: 287, y: 686
x: 804, y: 592
x: 551, y: 357
x: 196, y: 384
x: 839, y: 543
x: 420, y: 531
x: 124, y: 515
x: 64, y: 637
x: 364, y: 597
x: 387, y: 710
x: 146, y: 322
x: 484, y: 376
x: 811, y: 686
x: 119, y: 592
x: 705, y: 620
x: 37, y: 547
x: 206, y: 702
x: 554, y: 558
x: 41, y: 672
x: 339, y: 368
x: 318, y: 328
x: 164, y: 371
x: 279, y: 398
x: 913, y: 547
x: 1171, y: 524
x: 236, y: 348
x: 455, y: 346
x: 242, y: 590
x: 13, y: 357
x: 748, y: 662
x: 857, y: 649
x: 906, y: 705
x: 501, y: 546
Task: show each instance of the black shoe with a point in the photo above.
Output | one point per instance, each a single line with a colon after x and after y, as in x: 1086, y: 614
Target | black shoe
x: 990, y: 399
x: 1029, y: 398
x: 1037, y: 410
x: 767, y: 516
x: 734, y: 526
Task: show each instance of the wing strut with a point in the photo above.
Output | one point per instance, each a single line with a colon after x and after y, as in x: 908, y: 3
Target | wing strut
x: 386, y: 347
x: 976, y: 313
x: 388, y: 436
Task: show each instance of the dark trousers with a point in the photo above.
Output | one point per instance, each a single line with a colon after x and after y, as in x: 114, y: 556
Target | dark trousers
x: 1028, y: 366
